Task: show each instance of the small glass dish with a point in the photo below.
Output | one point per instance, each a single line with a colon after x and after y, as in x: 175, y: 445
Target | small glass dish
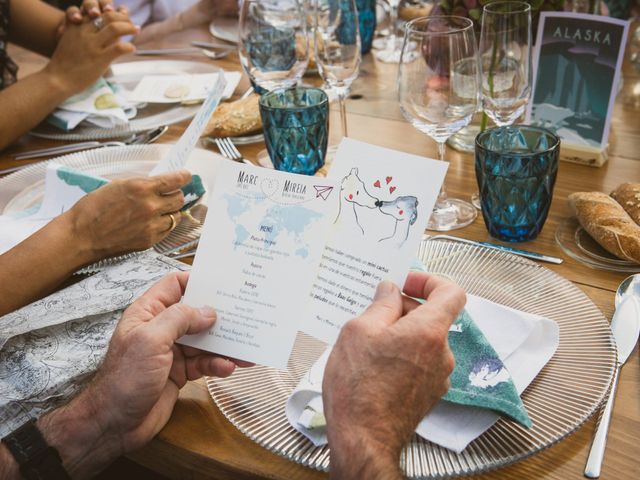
x: 579, y: 245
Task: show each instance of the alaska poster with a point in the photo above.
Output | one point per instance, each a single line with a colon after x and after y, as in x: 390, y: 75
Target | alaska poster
x: 578, y: 61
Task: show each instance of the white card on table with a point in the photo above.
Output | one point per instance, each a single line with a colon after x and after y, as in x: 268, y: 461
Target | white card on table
x: 181, y: 88
x: 385, y: 201
x: 257, y: 259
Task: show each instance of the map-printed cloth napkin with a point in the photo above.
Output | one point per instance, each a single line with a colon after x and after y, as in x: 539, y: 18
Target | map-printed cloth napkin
x: 498, y: 354
x: 102, y: 104
x: 64, y: 186
x: 50, y: 348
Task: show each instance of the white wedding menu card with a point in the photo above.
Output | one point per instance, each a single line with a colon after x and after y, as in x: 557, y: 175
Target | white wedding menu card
x: 282, y: 252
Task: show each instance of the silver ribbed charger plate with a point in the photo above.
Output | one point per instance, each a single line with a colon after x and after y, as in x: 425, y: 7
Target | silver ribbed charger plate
x: 566, y: 392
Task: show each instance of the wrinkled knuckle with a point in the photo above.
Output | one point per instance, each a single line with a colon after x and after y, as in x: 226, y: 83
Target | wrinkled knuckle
x: 353, y: 327
x: 181, y: 310
x: 110, y: 17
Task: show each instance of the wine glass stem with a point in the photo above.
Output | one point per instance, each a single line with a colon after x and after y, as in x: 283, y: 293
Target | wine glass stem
x: 343, y: 112
x: 393, y: 20
x: 442, y: 200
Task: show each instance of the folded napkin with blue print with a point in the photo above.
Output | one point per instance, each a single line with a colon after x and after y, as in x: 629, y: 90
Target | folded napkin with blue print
x: 102, y: 105
x: 498, y: 352
x: 64, y: 186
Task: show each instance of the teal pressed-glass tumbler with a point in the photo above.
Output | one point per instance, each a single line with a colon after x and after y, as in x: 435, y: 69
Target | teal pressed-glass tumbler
x: 296, y: 128
x: 516, y: 168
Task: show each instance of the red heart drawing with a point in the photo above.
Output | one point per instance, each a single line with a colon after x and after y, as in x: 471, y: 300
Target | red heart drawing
x: 377, y: 184
x: 392, y: 189
x: 389, y: 180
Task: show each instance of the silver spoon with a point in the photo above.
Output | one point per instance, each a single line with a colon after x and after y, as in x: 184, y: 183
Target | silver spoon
x: 625, y: 326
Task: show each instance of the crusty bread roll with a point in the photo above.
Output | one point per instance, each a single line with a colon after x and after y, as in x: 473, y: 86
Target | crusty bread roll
x: 628, y: 195
x: 607, y: 222
x: 237, y: 118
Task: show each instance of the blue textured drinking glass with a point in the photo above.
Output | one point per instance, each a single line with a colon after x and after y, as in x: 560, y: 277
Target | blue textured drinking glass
x: 296, y: 128
x: 516, y: 168
x: 366, y: 23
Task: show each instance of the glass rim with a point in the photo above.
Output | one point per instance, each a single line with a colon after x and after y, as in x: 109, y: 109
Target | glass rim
x: 409, y: 29
x: 325, y: 98
x: 524, y: 7
x: 555, y: 144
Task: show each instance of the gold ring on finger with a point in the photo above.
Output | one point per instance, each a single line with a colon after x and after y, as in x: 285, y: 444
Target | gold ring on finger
x: 173, y: 222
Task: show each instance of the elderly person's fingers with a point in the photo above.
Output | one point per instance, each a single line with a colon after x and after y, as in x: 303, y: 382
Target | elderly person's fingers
x: 171, y: 181
x: 106, y: 5
x: 170, y: 203
x: 386, y: 307
x: 179, y: 320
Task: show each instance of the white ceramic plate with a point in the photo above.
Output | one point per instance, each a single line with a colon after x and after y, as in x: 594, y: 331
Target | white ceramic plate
x: 225, y: 28
x: 25, y: 189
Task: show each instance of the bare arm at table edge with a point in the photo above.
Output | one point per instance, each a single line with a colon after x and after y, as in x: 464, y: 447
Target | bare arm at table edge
x: 79, y: 58
x: 123, y: 216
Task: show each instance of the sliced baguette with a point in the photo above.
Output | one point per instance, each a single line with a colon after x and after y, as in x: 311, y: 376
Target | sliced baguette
x: 608, y: 223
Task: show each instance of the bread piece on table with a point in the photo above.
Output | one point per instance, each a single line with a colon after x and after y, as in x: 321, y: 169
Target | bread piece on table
x: 628, y: 195
x: 232, y: 119
x: 607, y: 222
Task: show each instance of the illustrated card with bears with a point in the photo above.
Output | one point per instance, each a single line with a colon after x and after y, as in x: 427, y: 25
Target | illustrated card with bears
x: 385, y: 201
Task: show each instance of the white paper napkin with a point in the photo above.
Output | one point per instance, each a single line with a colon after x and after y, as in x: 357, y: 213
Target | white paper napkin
x: 524, y: 342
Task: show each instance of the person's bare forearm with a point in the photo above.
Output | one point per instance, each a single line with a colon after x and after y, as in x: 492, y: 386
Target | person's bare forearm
x: 39, y: 264
x: 83, y: 445
x: 34, y: 25
x: 26, y: 103
x: 355, y: 455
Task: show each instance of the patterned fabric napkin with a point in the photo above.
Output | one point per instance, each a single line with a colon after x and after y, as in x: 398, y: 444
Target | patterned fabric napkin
x: 497, y: 356
x: 101, y: 105
x: 64, y: 186
x: 49, y: 349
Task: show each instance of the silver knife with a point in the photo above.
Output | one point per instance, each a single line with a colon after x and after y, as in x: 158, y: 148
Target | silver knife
x: 625, y: 326
x: 523, y: 253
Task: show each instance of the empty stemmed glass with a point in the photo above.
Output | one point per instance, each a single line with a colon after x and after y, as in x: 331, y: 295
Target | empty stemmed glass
x: 273, y: 47
x: 439, y: 93
x: 505, y: 62
x: 337, y: 47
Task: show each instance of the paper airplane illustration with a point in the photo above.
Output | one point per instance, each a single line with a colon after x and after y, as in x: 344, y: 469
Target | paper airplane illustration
x: 323, y: 191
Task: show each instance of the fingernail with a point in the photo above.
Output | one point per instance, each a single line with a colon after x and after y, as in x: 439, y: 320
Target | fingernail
x: 208, y: 312
x: 94, y: 11
x: 107, y: 8
x: 138, y: 28
x: 384, y: 289
x: 77, y: 16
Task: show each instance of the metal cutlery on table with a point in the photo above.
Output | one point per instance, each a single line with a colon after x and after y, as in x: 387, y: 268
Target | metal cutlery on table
x: 138, y: 139
x: 522, y: 253
x: 212, y: 54
x: 625, y: 326
x: 230, y: 151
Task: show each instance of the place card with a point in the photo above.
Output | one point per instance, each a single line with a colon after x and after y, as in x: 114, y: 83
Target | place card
x: 187, y: 88
x: 257, y: 258
x: 282, y: 252
x: 578, y: 60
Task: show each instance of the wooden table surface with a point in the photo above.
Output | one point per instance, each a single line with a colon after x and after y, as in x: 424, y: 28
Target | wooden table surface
x: 198, y: 442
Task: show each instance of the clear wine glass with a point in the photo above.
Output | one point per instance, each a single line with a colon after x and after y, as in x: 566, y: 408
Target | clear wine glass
x: 439, y: 93
x: 505, y: 62
x: 337, y: 47
x: 273, y: 47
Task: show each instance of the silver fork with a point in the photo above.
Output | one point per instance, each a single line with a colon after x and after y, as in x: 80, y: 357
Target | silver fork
x: 229, y: 150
